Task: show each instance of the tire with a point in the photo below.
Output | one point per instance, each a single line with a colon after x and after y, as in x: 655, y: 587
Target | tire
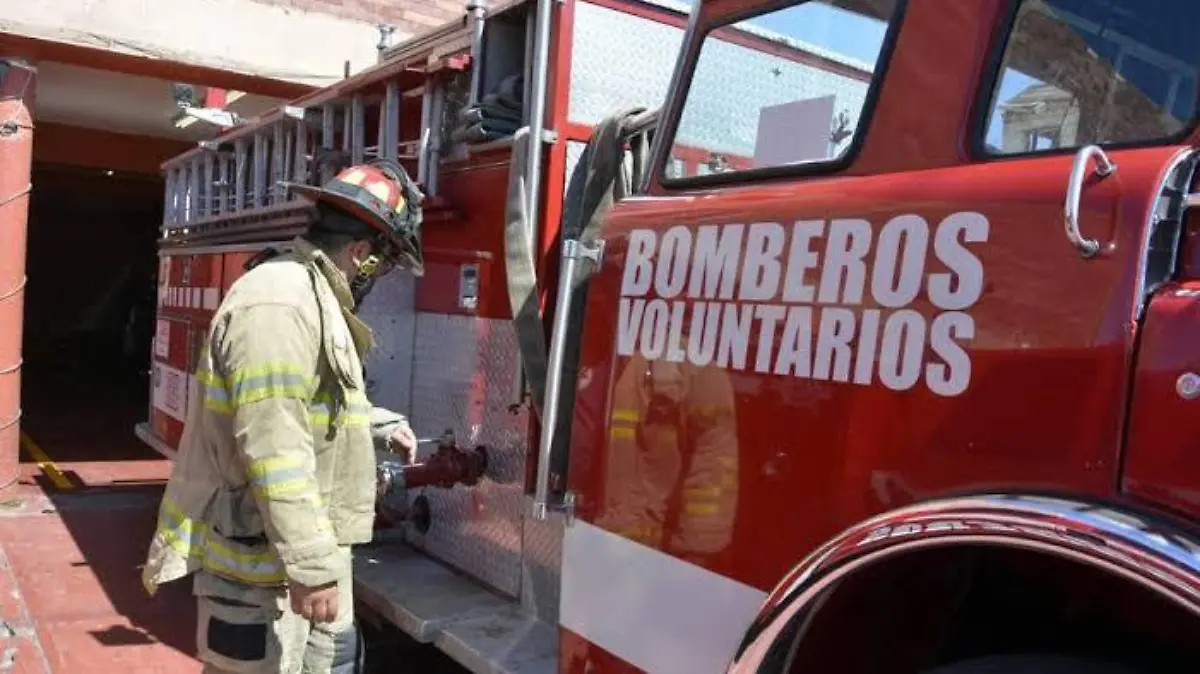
x: 1033, y: 664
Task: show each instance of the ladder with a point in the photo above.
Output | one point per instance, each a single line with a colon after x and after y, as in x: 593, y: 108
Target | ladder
x: 239, y: 173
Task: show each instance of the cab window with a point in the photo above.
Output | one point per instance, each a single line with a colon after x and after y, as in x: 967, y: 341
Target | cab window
x: 781, y: 88
x: 1105, y: 72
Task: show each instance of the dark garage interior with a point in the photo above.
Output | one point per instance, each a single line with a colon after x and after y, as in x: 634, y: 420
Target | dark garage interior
x: 89, y: 305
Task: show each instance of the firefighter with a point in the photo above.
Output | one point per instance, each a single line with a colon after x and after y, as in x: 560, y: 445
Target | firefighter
x: 275, y: 475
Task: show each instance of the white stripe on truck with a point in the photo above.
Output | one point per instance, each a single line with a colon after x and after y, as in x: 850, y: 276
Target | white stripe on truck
x: 652, y: 610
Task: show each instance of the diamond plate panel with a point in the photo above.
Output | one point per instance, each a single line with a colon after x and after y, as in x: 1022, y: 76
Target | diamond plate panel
x: 388, y: 309
x: 618, y: 61
x: 463, y: 378
x: 541, y: 580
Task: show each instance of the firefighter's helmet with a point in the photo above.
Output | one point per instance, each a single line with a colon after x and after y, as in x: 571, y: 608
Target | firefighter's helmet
x: 381, y: 194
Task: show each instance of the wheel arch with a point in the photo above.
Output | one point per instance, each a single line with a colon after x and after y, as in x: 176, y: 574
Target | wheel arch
x: 1135, y: 550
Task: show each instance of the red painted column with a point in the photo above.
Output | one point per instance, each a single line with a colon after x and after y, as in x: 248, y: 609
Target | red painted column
x: 17, y: 81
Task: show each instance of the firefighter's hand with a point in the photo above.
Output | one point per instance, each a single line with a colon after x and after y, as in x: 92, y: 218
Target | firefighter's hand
x: 403, y: 441
x: 316, y: 604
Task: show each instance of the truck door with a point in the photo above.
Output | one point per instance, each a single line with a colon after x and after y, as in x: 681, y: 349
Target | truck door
x: 918, y: 255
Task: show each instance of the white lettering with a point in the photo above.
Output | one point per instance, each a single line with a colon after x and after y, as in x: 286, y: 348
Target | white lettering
x: 672, y: 268
x: 638, y: 270
x: 629, y: 323
x: 886, y: 288
x: 714, y: 267
x: 868, y: 344
x: 901, y: 351
x: 654, y: 329
x: 845, y: 252
x: 951, y: 377
x: 768, y: 315
x: 795, y: 352
x: 801, y: 258
x: 702, y: 339
x: 833, y: 345
x: 760, y: 270
x: 735, y: 336
x: 708, y: 295
x: 675, y: 352
x: 973, y: 228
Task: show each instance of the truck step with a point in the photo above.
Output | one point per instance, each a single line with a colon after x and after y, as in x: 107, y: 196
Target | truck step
x: 483, y: 631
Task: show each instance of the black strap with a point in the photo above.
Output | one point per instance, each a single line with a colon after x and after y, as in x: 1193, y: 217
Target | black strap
x: 261, y: 257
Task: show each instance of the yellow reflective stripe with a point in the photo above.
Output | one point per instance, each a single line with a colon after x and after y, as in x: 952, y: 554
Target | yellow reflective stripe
x: 702, y: 492
x: 623, y: 424
x: 263, y: 467
x: 254, y: 384
x: 192, y: 540
x: 622, y: 433
x: 271, y: 380
x: 355, y: 413
x: 280, y: 476
x: 319, y: 416
x: 642, y: 533
x: 700, y: 509
x: 252, y: 567
x: 214, y: 393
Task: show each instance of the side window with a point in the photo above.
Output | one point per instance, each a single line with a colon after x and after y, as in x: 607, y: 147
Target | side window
x: 1077, y: 72
x: 782, y: 88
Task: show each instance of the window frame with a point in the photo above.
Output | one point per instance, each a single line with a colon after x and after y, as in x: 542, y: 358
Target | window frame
x: 681, y: 85
x: 989, y: 83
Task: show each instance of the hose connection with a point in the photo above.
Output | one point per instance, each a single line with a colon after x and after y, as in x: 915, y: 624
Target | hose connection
x: 447, y: 466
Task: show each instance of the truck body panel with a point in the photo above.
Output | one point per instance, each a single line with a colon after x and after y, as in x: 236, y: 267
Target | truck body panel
x: 850, y: 296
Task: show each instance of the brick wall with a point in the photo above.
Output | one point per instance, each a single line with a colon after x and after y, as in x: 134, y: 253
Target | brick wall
x: 412, y: 16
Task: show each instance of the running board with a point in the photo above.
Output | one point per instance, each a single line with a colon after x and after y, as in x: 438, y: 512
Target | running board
x: 147, y: 435
x: 481, y: 630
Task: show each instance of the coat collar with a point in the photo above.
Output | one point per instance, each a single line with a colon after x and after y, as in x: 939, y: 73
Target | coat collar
x: 311, y: 256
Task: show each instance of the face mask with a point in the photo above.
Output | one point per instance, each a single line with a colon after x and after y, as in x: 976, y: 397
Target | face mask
x: 369, y: 271
x: 360, y: 287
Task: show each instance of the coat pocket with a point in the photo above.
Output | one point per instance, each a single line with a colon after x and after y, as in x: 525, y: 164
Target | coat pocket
x: 244, y: 637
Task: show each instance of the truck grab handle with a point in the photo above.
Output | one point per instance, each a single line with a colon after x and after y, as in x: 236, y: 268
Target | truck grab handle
x: 1104, y: 167
x: 572, y: 252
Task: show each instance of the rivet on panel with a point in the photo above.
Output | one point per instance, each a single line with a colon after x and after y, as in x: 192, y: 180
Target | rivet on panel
x: 1188, y: 386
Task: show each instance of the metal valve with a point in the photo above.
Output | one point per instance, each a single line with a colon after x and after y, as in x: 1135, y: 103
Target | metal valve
x: 446, y: 467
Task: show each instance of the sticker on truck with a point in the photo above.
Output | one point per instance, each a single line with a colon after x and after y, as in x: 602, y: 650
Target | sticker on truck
x: 171, y: 391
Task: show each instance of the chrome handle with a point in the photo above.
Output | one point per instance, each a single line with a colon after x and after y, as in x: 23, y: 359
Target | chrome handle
x: 1104, y: 167
x: 572, y: 252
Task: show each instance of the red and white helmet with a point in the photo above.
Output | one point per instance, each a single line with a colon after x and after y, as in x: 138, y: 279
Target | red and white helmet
x: 381, y: 194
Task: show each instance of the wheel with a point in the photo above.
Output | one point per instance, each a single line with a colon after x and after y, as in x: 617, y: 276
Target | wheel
x: 1033, y: 664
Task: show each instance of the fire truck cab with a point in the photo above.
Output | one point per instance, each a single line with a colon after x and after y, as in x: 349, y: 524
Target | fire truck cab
x: 861, y: 339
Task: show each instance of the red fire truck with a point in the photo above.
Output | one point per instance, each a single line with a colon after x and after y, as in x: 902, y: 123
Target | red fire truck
x: 811, y: 336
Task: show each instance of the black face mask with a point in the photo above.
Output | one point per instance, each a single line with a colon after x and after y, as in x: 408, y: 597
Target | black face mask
x: 370, y: 271
x: 361, y: 286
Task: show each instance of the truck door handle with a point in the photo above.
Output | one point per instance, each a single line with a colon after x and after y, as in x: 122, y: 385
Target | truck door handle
x: 1104, y: 167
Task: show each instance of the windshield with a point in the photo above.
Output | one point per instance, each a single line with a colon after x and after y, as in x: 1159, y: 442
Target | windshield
x: 784, y: 87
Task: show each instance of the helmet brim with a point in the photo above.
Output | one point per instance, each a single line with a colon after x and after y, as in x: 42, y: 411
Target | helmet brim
x: 409, y: 250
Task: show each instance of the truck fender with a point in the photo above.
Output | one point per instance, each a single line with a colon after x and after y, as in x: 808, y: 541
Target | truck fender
x: 1146, y: 551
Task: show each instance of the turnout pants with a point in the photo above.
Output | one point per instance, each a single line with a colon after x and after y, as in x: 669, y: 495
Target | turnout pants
x: 244, y: 629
